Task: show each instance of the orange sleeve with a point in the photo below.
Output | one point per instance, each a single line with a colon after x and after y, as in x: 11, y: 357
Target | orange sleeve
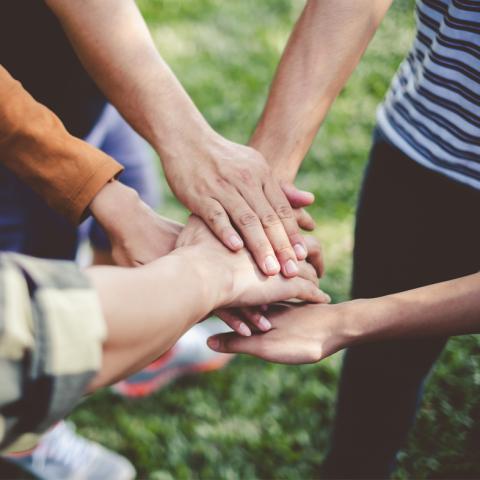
x: 66, y: 171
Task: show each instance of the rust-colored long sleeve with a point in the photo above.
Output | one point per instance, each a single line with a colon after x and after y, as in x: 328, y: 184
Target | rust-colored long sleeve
x: 66, y: 171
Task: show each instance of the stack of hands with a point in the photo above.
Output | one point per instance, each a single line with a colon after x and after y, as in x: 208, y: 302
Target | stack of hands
x: 264, y: 258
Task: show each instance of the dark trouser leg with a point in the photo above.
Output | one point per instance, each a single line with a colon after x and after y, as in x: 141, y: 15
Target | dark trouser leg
x: 414, y: 228
x: 29, y: 226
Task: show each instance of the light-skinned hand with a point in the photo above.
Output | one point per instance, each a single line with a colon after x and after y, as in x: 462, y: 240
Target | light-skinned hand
x: 231, y: 187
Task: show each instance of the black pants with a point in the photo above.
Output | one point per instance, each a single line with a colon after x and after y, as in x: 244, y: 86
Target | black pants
x: 414, y: 227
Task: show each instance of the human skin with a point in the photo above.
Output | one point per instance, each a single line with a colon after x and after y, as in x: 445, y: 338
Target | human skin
x: 244, y: 320
x: 71, y: 176
x: 137, y: 234
x: 148, y: 308
x: 213, y: 177
x: 311, y: 333
x: 324, y: 48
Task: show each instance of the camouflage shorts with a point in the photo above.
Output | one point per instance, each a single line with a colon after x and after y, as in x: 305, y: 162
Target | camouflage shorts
x: 51, y: 333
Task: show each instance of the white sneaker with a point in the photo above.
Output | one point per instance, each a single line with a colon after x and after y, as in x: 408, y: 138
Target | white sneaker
x: 63, y: 455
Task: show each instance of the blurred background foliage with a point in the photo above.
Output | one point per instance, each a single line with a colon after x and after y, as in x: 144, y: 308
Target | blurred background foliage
x: 255, y: 420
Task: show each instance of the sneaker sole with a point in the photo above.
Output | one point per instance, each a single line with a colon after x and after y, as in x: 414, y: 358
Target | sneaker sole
x: 139, y: 390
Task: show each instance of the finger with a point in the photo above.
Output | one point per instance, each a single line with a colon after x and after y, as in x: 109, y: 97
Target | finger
x: 315, y: 255
x: 255, y: 318
x: 304, y: 219
x: 230, y: 342
x: 308, y: 292
x: 308, y: 272
x: 297, y: 198
x: 274, y: 229
x: 285, y: 212
x: 215, y: 216
x: 252, y: 231
x: 235, y: 322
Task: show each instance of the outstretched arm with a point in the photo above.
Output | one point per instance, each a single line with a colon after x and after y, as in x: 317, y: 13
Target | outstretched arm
x: 324, y: 48
x: 169, y: 295
x: 217, y: 179
x: 79, y: 338
x: 309, y: 334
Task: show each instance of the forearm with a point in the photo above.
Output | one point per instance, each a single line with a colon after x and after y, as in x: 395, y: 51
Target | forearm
x: 448, y: 308
x: 311, y: 333
x: 147, y: 309
x: 114, y: 44
x: 227, y: 184
x: 323, y: 50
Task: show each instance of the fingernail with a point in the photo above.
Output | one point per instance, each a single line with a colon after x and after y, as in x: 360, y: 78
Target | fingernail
x: 271, y: 265
x: 264, y: 324
x: 235, y: 241
x: 310, y: 195
x: 300, y: 251
x: 325, y: 297
x: 291, y: 267
x: 244, y: 330
x: 213, y: 343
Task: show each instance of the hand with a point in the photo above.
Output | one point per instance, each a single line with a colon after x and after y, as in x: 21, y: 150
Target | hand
x: 299, y: 199
x: 222, y: 180
x: 245, y: 285
x: 137, y: 234
x: 244, y: 320
x: 304, y: 334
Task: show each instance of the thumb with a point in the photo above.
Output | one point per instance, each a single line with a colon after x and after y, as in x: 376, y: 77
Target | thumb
x: 233, y: 343
x: 297, y: 198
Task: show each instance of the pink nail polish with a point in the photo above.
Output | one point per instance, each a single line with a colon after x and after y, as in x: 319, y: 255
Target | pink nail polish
x: 235, y: 241
x: 244, y: 330
x: 291, y: 267
x: 264, y: 324
x: 271, y: 264
x: 300, y: 251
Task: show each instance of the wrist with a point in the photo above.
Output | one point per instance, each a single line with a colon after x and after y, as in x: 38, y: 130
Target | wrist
x: 112, y: 203
x: 365, y: 320
x: 185, y: 138
x: 214, y: 280
x: 275, y: 149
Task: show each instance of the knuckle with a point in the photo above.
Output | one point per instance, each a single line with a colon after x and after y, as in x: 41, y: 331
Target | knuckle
x: 270, y: 220
x: 221, y: 182
x: 283, y: 248
x: 247, y: 219
x: 245, y: 175
x: 284, y: 212
x: 215, y: 216
x: 307, y: 288
x: 202, y: 189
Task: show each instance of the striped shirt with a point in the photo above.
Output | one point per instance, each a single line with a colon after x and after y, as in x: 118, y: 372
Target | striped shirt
x: 432, y: 110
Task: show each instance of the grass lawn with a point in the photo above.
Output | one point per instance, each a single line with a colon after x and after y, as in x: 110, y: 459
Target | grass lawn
x: 254, y: 420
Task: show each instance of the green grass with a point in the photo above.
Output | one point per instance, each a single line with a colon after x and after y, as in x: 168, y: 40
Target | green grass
x: 255, y: 420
